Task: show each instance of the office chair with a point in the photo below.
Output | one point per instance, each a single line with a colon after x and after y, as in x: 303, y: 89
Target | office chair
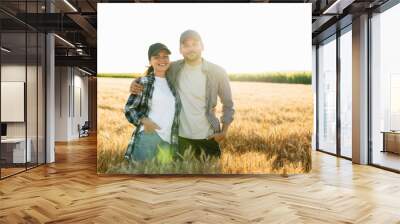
x: 84, y: 130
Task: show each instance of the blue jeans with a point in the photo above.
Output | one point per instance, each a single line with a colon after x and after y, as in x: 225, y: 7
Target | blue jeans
x: 146, y: 146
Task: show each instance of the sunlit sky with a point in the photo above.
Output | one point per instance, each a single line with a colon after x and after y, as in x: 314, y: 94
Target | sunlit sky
x: 245, y: 37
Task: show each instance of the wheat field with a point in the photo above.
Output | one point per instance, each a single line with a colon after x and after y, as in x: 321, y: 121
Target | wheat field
x: 271, y: 132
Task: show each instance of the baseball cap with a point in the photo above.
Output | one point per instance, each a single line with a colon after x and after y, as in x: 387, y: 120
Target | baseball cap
x: 189, y: 34
x: 155, y: 48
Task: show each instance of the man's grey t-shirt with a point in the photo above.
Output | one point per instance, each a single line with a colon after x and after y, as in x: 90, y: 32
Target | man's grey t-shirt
x: 192, y: 91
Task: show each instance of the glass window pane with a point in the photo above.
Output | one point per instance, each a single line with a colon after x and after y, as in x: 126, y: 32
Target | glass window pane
x: 346, y: 94
x: 13, y: 85
x: 31, y: 97
x: 327, y: 97
x: 23, y: 85
x: 386, y: 89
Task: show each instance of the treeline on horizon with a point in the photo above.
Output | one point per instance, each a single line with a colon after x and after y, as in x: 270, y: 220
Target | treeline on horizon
x: 300, y: 77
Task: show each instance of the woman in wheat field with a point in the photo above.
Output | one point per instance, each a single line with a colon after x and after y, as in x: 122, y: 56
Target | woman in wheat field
x: 154, y: 111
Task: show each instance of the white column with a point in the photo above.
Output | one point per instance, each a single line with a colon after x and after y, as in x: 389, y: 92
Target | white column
x: 50, y: 110
x: 50, y: 92
x: 360, y: 90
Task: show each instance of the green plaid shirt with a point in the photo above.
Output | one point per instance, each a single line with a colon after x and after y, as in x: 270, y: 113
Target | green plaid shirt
x: 138, y: 107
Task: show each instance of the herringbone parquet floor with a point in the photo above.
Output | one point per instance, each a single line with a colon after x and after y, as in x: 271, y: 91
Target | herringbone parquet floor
x: 70, y: 191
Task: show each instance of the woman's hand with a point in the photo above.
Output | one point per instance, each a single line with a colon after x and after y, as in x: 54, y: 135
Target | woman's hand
x: 135, y: 88
x: 149, y: 125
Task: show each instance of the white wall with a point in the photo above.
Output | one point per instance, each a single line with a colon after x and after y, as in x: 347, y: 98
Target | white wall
x: 70, y: 83
x: 62, y: 81
x: 82, y: 83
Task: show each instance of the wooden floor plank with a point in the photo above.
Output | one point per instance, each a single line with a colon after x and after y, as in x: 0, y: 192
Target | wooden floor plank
x: 70, y: 191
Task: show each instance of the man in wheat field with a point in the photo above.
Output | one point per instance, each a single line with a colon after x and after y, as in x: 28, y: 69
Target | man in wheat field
x: 199, y: 83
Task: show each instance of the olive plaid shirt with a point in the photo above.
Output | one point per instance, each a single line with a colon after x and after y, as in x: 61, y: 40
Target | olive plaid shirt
x: 138, y: 107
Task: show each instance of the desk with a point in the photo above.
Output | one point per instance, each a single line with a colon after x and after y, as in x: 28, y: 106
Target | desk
x: 13, y: 150
x: 391, y: 141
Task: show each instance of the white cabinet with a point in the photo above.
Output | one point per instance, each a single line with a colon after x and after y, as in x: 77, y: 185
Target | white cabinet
x: 18, y: 149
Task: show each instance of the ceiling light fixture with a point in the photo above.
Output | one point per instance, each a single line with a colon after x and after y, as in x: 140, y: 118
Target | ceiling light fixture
x: 64, y: 40
x: 86, y: 72
x: 5, y: 50
x: 338, y: 6
x: 70, y: 5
